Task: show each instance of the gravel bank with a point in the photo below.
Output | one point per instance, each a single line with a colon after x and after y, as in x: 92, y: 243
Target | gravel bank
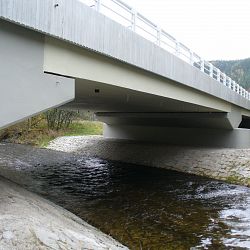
x: 232, y: 165
x: 30, y: 222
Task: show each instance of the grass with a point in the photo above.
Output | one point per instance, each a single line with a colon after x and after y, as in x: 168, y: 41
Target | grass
x: 40, y: 136
x: 84, y: 128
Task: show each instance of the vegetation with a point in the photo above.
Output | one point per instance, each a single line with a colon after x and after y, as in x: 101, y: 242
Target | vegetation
x: 238, y: 70
x: 58, y: 119
x: 41, y: 129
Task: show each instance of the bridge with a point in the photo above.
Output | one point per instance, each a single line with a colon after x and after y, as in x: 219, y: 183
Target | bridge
x: 106, y: 57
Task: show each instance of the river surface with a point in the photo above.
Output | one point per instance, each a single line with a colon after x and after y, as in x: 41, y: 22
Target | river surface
x: 142, y: 207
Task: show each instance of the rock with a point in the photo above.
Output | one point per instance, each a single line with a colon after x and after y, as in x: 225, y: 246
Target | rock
x: 7, y: 235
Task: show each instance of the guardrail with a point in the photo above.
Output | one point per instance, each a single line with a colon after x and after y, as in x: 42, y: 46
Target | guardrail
x: 129, y: 17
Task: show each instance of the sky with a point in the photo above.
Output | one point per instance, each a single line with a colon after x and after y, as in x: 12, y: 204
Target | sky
x: 214, y: 29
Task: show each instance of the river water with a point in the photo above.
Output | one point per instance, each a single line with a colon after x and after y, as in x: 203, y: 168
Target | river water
x: 142, y: 207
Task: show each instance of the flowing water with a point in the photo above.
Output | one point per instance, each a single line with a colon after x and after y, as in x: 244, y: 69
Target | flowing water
x: 142, y: 207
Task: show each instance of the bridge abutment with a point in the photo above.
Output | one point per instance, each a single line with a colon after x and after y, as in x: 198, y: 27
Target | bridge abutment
x: 25, y: 90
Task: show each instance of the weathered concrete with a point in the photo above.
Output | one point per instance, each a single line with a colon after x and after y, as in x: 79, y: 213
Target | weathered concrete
x: 231, y: 165
x: 30, y: 222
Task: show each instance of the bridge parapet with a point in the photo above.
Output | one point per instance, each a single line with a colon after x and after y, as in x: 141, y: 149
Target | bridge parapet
x: 129, y: 17
x: 140, y: 43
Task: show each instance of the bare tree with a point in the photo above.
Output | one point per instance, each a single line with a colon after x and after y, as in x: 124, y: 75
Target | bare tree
x: 58, y: 119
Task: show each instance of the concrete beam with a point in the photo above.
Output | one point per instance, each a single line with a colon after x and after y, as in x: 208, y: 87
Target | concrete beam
x: 182, y: 120
x: 94, y: 31
x: 68, y: 60
x: 24, y: 88
x: 200, y: 137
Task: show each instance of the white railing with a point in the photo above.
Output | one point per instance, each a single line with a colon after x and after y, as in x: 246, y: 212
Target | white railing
x: 129, y: 17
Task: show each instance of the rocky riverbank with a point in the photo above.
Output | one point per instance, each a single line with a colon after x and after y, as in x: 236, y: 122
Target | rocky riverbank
x: 28, y: 221
x: 232, y: 165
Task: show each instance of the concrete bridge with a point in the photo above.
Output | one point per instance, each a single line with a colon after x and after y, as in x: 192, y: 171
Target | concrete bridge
x: 108, y: 58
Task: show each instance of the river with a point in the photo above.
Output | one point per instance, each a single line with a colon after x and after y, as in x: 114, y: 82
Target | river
x: 142, y: 207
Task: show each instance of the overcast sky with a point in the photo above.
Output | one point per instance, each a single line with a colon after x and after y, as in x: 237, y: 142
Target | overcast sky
x: 215, y: 29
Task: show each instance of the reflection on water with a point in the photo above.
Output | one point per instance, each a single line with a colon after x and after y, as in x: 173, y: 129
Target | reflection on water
x: 144, y: 208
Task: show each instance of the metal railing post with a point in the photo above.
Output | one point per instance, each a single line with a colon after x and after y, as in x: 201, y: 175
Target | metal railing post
x: 202, y: 66
x: 159, y: 35
x: 218, y: 75
x: 191, y: 54
x: 177, y: 48
x: 98, y: 5
x: 133, y: 20
x: 211, y: 70
x: 230, y: 83
x: 234, y: 86
x: 238, y: 88
x: 224, y: 79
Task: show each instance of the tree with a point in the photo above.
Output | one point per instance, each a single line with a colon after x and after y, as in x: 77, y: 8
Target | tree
x: 58, y: 119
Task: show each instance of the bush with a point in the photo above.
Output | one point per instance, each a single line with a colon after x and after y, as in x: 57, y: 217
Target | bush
x: 58, y: 119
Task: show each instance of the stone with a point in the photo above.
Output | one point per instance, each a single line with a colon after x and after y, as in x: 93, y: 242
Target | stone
x: 7, y: 235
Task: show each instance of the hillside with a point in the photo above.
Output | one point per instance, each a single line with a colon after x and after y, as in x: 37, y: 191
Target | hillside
x: 238, y: 70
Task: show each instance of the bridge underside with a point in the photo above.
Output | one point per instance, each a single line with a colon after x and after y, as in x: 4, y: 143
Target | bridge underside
x: 136, y: 105
x: 38, y: 73
x: 138, y: 116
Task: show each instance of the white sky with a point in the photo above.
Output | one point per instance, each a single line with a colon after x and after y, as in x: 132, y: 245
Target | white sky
x: 214, y: 29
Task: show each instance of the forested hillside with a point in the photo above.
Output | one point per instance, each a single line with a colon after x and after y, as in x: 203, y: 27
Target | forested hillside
x: 238, y: 70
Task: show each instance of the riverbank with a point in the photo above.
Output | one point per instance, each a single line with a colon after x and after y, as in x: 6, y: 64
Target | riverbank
x: 28, y: 221
x: 231, y: 165
x: 142, y: 207
x: 39, y: 134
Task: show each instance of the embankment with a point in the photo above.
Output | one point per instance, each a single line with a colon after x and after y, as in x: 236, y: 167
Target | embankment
x: 30, y: 222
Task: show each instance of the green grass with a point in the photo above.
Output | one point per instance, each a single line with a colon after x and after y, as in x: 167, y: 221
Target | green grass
x: 84, y: 128
x: 44, y: 141
x: 79, y: 128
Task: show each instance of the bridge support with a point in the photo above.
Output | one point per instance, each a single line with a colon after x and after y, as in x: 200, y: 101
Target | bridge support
x: 25, y: 89
x: 221, y: 138
x: 184, y: 129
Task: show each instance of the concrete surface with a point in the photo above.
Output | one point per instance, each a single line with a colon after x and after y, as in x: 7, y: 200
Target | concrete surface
x: 30, y: 222
x: 94, y: 31
x: 182, y: 136
x: 122, y: 75
x: 25, y: 89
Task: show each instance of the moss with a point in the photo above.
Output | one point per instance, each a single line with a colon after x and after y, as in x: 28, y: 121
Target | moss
x: 234, y: 179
